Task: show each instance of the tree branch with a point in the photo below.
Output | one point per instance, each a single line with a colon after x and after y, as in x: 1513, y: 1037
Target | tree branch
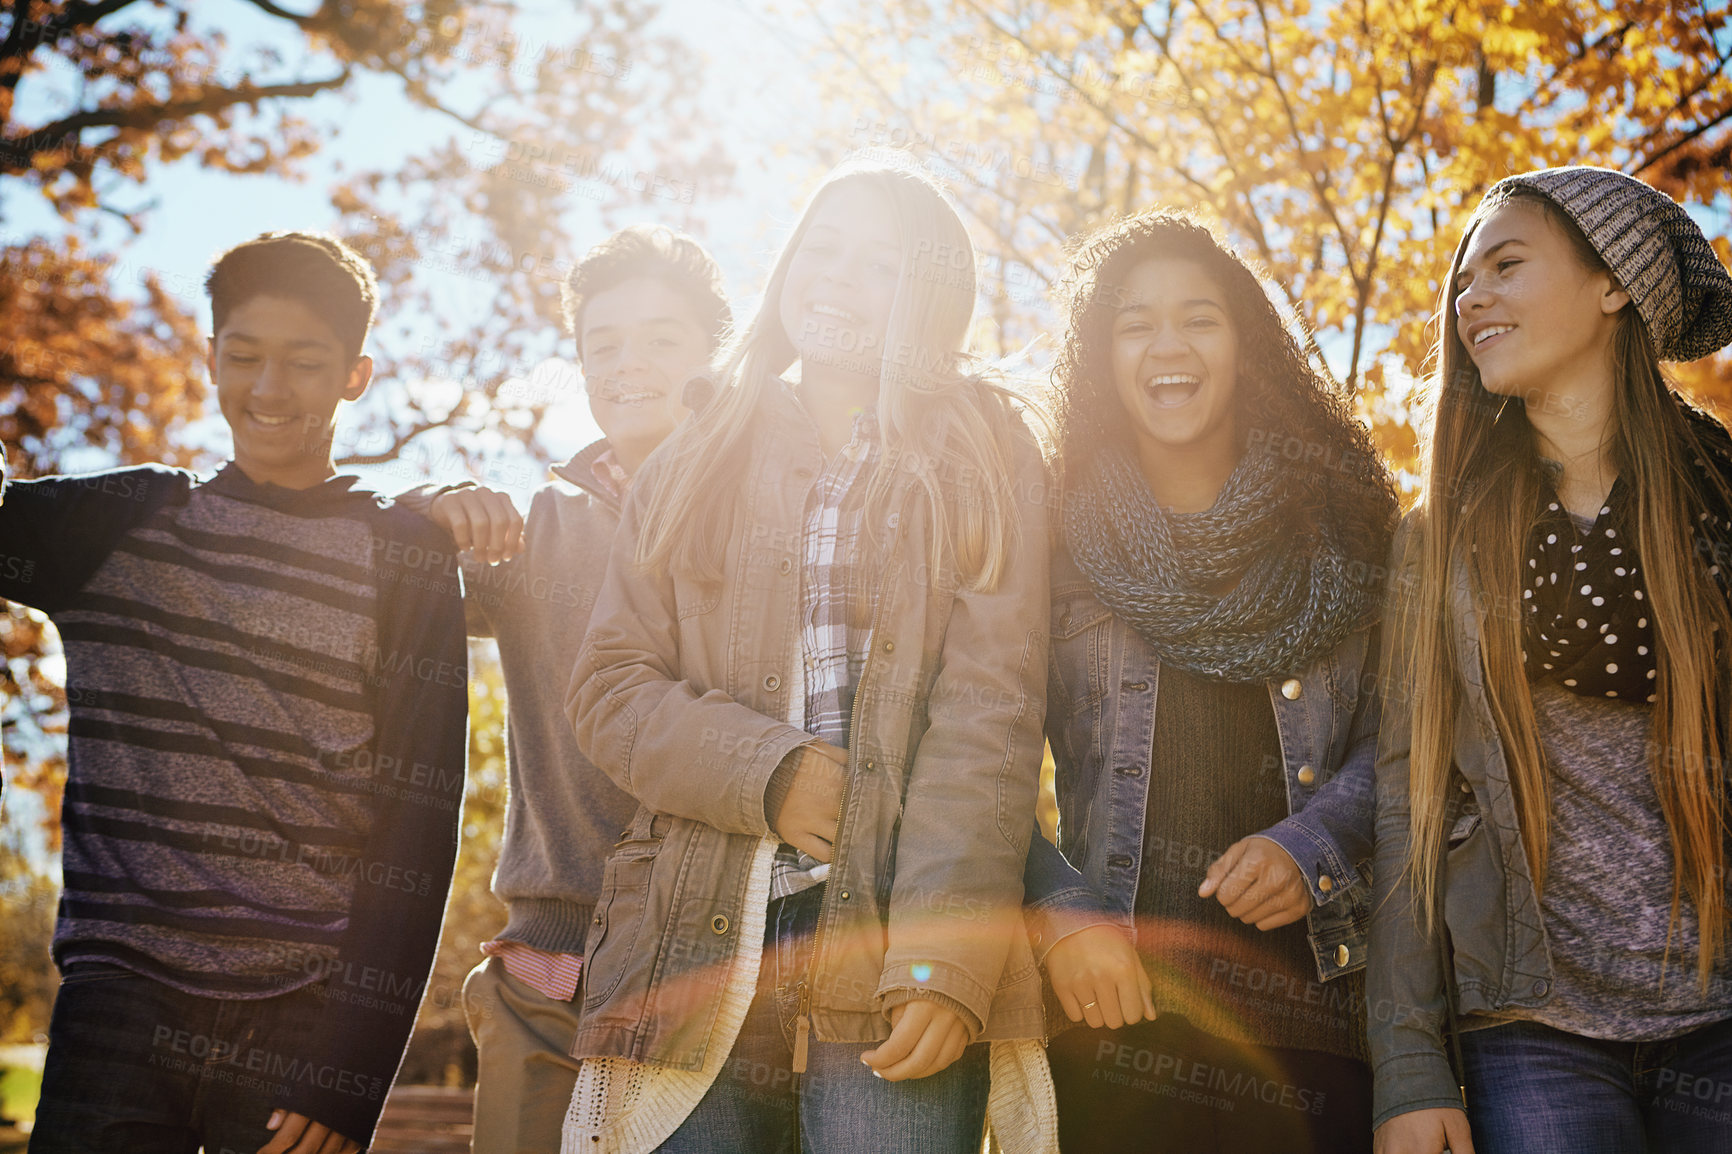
x: 294, y: 18
x: 22, y: 40
x: 1641, y: 163
x: 1311, y: 170
x: 1397, y: 146
x: 1248, y: 219
x: 399, y: 442
x: 16, y: 151
x: 1683, y: 100
x: 80, y: 15
x: 1008, y: 244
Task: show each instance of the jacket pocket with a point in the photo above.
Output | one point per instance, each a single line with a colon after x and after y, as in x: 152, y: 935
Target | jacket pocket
x: 694, y: 598
x: 619, y: 916
x: 1080, y: 641
x: 1463, y: 829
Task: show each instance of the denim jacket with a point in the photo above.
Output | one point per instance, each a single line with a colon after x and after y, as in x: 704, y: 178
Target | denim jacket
x: 1100, y: 722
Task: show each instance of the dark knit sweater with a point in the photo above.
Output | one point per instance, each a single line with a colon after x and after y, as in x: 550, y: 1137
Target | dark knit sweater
x: 562, y: 814
x: 1216, y: 776
x: 267, y: 690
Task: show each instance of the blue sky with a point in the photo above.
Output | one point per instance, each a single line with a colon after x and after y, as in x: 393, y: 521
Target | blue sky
x: 752, y: 67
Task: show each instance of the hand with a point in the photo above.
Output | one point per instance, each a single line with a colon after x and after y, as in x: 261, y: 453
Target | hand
x: 1097, y: 976
x: 925, y: 1037
x: 481, y: 520
x: 1425, y: 1132
x: 1259, y: 883
x: 812, y: 811
x: 299, y: 1134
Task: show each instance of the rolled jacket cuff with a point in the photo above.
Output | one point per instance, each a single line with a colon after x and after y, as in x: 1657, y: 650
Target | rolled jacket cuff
x: 753, y: 791
x: 780, y: 785
x: 1326, y: 875
x: 1056, y: 918
x: 946, y: 979
x: 905, y: 994
x: 1413, y: 1081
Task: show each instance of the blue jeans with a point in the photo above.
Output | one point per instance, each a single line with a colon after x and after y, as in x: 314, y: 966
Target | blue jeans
x: 1535, y: 1090
x: 755, y: 1107
x: 137, y: 1067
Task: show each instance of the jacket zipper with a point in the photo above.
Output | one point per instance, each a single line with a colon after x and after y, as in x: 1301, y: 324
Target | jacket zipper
x: 803, y: 1025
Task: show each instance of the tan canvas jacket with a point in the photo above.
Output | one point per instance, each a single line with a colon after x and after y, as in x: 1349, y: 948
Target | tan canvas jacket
x: 680, y: 695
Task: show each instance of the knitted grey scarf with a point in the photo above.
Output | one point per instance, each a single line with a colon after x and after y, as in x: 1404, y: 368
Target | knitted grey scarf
x: 1297, y: 595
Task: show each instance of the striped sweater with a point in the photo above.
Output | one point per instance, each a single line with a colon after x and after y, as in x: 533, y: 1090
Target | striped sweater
x: 249, y: 808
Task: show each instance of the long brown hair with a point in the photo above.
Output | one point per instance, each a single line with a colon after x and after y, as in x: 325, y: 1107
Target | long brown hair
x: 942, y: 419
x: 1482, y: 484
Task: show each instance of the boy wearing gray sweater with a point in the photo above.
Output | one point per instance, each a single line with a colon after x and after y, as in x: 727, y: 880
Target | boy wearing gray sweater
x: 647, y: 309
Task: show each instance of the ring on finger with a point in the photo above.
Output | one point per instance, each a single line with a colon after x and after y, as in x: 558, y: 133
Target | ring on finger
x: 1090, y: 1005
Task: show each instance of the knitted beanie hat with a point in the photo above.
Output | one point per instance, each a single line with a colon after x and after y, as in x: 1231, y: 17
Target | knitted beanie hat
x: 1654, y: 250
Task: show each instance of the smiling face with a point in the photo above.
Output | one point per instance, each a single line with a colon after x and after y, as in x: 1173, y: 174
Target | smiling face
x: 640, y: 341
x: 841, y: 283
x: 1175, y: 356
x: 1532, y: 316
x: 280, y: 372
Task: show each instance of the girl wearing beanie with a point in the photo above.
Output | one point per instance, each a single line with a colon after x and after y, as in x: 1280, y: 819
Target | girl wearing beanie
x: 1214, y: 606
x: 1551, y: 786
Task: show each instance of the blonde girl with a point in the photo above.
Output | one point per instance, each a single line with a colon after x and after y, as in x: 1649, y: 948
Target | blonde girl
x: 818, y: 661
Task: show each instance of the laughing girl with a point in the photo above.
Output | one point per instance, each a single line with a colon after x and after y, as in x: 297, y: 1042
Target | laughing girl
x: 1213, y: 623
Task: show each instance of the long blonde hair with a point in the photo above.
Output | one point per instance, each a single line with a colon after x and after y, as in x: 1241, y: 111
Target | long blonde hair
x: 948, y: 426
x: 1481, y: 490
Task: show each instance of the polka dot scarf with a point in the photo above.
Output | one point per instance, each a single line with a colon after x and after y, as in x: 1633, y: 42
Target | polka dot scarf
x: 1586, y: 615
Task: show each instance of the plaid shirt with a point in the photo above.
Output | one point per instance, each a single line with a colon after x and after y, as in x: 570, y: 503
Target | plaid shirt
x: 836, y: 613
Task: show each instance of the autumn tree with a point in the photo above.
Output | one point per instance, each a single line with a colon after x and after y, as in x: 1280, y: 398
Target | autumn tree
x: 555, y: 121
x: 1339, y: 144
x: 543, y: 114
x: 91, y: 359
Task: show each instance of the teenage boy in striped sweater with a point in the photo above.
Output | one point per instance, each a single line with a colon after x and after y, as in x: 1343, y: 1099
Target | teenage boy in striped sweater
x: 266, y: 675
x: 647, y: 309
